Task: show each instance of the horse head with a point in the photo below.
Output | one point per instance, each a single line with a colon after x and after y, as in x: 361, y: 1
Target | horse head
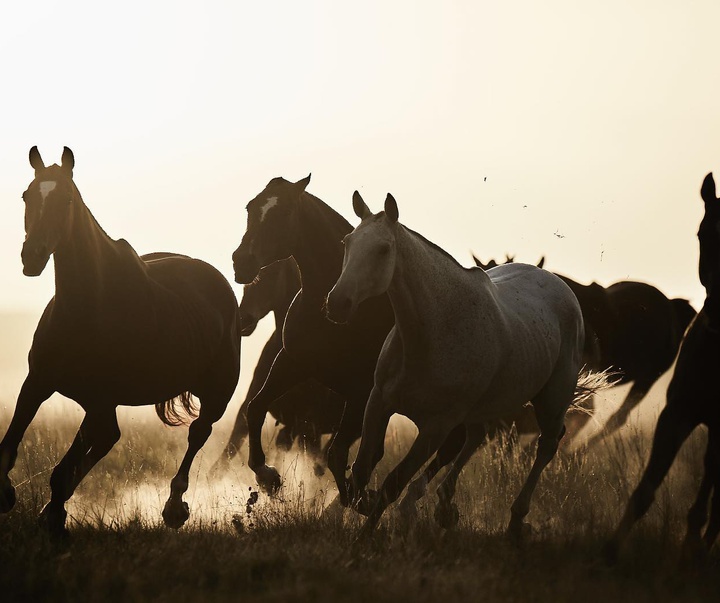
x: 272, y: 291
x: 271, y: 227
x: 48, y: 210
x: 709, y: 234
x: 369, y: 262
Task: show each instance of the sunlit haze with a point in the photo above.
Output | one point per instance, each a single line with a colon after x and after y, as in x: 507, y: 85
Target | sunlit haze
x: 577, y: 131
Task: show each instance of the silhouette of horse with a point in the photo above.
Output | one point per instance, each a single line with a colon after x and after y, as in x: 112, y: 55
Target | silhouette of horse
x: 466, y: 349
x: 633, y: 330
x: 284, y: 220
x: 121, y: 329
x: 315, y: 347
x: 307, y: 411
x: 692, y: 399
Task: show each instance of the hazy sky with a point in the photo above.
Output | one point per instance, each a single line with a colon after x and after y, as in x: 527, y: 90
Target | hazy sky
x: 577, y: 130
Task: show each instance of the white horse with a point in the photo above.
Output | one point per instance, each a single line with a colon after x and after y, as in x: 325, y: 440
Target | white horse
x: 468, y: 347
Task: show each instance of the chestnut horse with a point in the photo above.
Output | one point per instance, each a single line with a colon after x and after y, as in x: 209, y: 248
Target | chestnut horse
x: 120, y: 330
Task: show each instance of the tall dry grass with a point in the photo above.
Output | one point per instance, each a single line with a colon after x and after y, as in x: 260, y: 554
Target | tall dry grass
x: 288, y: 549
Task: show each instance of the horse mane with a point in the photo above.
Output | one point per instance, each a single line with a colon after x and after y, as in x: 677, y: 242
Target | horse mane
x: 434, y: 246
x: 333, y: 218
x: 172, y: 416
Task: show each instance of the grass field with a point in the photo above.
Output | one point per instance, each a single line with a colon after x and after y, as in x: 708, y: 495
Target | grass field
x: 286, y: 550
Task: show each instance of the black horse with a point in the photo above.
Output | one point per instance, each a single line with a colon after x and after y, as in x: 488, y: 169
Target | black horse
x: 306, y: 412
x: 692, y: 399
x: 284, y: 221
x: 631, y: 329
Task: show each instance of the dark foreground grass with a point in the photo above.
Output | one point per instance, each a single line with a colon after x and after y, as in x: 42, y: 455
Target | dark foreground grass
x: 286, y: 550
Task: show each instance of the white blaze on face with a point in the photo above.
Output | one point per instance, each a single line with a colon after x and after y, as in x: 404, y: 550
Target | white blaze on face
x: 269, y: 204
x: 46, y: 188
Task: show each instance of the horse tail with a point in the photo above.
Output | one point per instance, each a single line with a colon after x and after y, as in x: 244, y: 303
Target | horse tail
x: 684, y: 314
x: 173, y: 416
x: 589, y: 384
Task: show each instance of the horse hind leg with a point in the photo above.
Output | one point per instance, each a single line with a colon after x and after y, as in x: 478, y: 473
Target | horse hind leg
x: 449, y: 450
x: 97, y: 435
x: 446, y: 512
x: 671, y: 431
x: 550, y: 405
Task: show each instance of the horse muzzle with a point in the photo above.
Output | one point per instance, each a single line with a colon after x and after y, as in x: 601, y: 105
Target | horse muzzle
x: 247, y: 325
x: 338, y: 307
x: 246, y: 267
x: 34, y: 259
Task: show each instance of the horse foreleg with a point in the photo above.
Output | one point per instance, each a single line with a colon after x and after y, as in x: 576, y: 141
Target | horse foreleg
x: 339, y: 449
x: 98, y: 433
x: 283, y: 376
x: 713, y: 529
x: 638, y: 391
x: 32, y: 395
x: 446, y: 513
x: 430, y: 436
x: 672, y: 430
x: 371, y: 450
x: 698, y: 514
x: 240, y: 427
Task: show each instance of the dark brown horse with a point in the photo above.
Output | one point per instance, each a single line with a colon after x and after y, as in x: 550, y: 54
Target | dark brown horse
x: 284, y: 221
x: 692, y: 399
x: 631, y: 329
x: 120, y: 330
x: 307, y: 411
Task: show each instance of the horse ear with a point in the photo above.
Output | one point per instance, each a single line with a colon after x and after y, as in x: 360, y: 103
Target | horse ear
x: 301, y: 185
x: 541, y: 263
x: 707, y: 191
x: 35, y: 159
x: 67, y: 161
x: 391, y: 208
x: 362, y: 211
x: 477, y: 261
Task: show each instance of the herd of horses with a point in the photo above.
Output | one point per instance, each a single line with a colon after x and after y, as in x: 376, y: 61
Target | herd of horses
x: 369, y: 322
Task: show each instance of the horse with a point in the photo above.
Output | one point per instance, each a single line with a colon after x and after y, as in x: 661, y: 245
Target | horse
x: 632, y: 331
x: 309, y: 410
x: 692, y: 400
x: 467, y: 348
x: 283, y: 221
x: 121, y: 329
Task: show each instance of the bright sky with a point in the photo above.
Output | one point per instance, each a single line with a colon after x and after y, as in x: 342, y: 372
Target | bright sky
x: 577, y: 130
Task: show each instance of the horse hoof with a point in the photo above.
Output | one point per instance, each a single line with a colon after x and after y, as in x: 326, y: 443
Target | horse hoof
x: 268, y: 479
x: 367, y: 501
x: 7, y: 497
x: 53, y: 519
x: 447, y: 516
x: 519, y: 531
x: 175, y: 514
x: 610, y: 553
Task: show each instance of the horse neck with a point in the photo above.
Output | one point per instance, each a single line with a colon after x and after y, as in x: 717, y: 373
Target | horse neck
x: 319, y: 253
x: 286, y: 289
x: 86, y: 261
x: 422, y: 282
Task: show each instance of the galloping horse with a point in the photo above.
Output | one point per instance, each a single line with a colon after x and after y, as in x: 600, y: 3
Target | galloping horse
x: 120, y: 330
x: 307, y: 411
x: 632, y: 330
x: 692, y: 399
x: 284, y: 221
x: 466, y: 349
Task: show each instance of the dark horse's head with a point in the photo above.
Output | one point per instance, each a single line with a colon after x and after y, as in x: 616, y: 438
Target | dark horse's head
x: 271, y: 228
x: 48, y: 210
x: 709, y: 237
